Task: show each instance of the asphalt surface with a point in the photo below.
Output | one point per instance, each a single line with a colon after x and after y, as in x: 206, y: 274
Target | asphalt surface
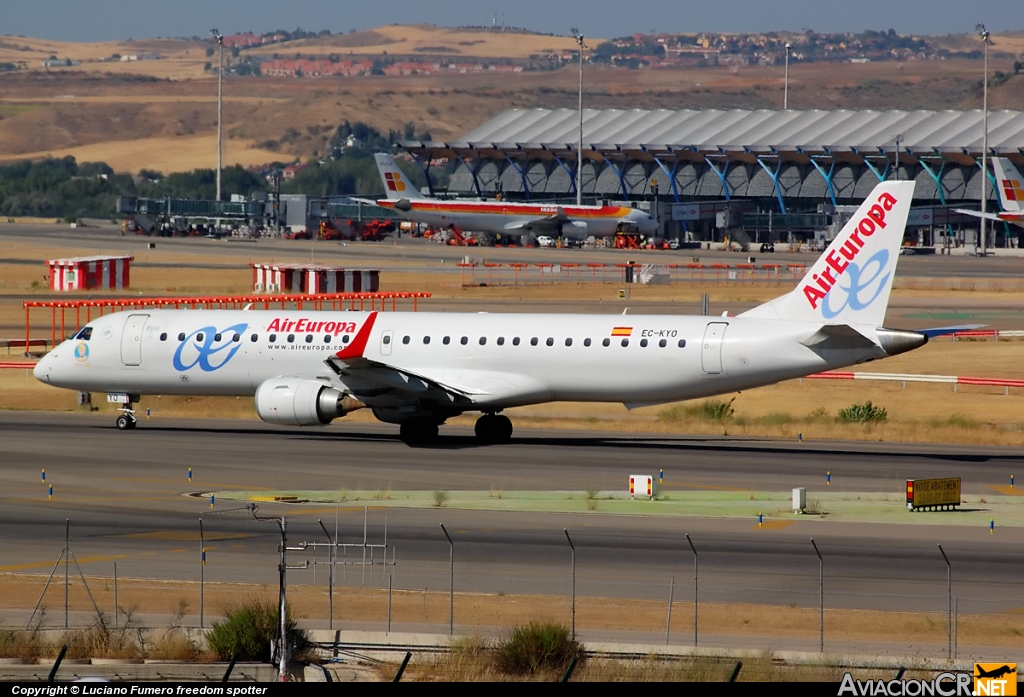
x: 127, y: 495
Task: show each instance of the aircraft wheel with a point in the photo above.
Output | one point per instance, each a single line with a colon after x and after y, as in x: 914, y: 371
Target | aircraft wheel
x: 493, y: 428
x: 125, y: 422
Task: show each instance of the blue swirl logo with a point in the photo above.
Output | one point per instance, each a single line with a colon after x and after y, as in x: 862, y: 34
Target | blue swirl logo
x: 208, y: 348
x: 862, y: 279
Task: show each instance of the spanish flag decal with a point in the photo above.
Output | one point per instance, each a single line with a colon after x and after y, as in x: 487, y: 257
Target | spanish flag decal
x: 622, y: 331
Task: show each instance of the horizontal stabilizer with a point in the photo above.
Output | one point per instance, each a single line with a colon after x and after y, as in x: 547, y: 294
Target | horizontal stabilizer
x: 946, y: 331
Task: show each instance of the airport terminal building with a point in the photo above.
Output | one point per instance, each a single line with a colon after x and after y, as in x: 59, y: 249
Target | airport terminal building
x: 790, y: 170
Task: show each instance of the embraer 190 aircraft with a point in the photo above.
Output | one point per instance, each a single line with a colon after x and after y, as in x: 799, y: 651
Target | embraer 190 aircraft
x: 504, y: 217
x: 306, y: 368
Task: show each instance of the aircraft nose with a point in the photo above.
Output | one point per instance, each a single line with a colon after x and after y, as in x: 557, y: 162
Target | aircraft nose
x: 44, y: 367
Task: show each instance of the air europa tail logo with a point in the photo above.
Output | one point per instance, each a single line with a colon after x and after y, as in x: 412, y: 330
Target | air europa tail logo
x: 840, y: 262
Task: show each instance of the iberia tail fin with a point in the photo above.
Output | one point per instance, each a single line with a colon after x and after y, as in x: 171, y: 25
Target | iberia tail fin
x: 396, y: 182
x: 1010, y: 185
x: 851, y: 281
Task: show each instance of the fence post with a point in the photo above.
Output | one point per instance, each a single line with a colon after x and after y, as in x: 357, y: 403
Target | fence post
x: 451, y: 581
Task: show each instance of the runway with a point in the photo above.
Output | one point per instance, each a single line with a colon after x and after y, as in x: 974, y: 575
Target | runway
x: 126, y: 494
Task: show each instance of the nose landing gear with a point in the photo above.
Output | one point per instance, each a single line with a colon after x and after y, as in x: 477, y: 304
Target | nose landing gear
x: 126, y: 421
x: 493, y: 429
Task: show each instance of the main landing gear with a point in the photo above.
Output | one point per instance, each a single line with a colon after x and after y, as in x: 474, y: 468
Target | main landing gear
x: 492, y: 429
x: 418, y: 431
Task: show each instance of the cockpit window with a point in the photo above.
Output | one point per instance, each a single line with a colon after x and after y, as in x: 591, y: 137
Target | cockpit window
x: 85, y: 334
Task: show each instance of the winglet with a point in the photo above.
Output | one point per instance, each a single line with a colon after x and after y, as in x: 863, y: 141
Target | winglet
x: 357, y: 347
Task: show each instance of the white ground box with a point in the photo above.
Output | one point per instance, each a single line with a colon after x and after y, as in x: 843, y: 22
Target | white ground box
x: 799, y: 499
x: 643, y: 485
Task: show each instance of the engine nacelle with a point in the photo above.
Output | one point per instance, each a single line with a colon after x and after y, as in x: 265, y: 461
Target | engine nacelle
x: 575, y: 230
x: 299, y: 402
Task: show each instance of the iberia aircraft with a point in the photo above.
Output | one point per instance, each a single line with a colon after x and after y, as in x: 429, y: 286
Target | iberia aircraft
x: 504, y: 217
x: 306, y: 368
x: 1010, y: 185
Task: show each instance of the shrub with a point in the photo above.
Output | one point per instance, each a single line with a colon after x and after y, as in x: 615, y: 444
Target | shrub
x: 863, y: 414
x: 710, y: 410
x: 535, y: 647
x: 440, y: 498
x: 251, y: 627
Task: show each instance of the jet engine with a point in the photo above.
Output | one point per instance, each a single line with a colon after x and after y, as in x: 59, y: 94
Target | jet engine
x: 575, y: 230
x: 300, y: 402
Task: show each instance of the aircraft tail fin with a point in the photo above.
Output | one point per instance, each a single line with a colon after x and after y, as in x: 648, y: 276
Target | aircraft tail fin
x: 1010, y: 185
x: 850, y: 283
x: 396, y: 182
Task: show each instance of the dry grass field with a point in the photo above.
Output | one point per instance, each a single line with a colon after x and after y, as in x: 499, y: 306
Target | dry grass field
x: 97, y: 110
x: 483, y: 613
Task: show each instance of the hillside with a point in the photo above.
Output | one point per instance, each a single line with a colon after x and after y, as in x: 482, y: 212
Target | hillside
x: 160, y: 114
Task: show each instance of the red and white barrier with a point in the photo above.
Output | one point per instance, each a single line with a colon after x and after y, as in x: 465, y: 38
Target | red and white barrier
x: 908, y: 377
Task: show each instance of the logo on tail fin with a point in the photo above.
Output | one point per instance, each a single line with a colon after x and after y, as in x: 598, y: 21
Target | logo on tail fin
x: 1013, y: 190
x: 394, y: 181
x: 842, y: 262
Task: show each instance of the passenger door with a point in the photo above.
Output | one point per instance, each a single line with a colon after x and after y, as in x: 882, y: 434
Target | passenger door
x: 711, y: 348
x: 131, y: 339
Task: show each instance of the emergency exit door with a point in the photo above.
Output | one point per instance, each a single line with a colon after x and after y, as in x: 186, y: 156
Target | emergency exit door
x: 131, y: 340
x: 711, y: 348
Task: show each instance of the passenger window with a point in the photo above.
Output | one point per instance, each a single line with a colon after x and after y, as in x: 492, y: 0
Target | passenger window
x: 501, y: 341
x: 568, y: 342
x: 483, y: 340
x: 586, y: 342
x: 682, y: 343
x: 199, y: 336
x: 291, y: 338
x: 533, y: 341
x: 662, y: 343
x: 550, y: 341
x: 273, y: 337
x: 464, y: 340
x: 344, y: 339
x: 447, y: 340
x: 216, y: 337
x: 327, y: 338
x: 386, y: 340
x: 309, y: 338
x: 643, y: 343
x: 236, y: 338
x: 405, y: 339
x: 515, y: 341
x: 253, y: 338
x: 606, y: 342
x: 426, y: 340
x: 163, y: 337
x: 625, y: 342
x: 181, y: 337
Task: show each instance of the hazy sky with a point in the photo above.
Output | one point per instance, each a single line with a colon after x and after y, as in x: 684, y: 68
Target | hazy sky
x: 100, y: 20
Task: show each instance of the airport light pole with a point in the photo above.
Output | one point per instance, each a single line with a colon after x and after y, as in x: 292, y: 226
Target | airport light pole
x: 985, y: 39
x: 821, y: 598
x: 451, y: 581
x: 785, y: 92
x: 573, y: 548
x: 220, y: 101
x: 898, y: 138
x: 579, y: 145
x: 949, y: 601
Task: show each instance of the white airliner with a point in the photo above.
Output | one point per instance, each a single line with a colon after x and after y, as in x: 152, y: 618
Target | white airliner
x: 504, y: 217
x: 1010, y: 186
x: 418, y: 369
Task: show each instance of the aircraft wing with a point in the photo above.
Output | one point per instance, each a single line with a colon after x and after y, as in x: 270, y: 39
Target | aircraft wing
x: 369, y: 378
x: 978, y: 214
x: 547, y: 222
